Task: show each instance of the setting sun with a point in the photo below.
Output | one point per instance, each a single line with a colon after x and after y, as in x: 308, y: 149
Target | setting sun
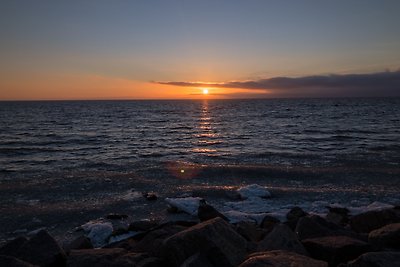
x: 205, y: 91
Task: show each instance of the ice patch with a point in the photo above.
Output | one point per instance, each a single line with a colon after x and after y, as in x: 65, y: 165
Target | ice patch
x: 253, y: 190
x: 189, y: 205
x: 238, y: 216
x: 98, y: 232
x: 371, y: 207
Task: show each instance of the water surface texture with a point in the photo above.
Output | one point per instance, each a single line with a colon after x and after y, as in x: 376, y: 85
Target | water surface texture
x: 118, y: 135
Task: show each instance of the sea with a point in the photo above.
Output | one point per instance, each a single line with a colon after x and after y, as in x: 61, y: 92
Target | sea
x: 65, y: 162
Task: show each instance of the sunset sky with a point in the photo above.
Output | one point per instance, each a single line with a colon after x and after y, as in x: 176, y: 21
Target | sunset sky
x: 175, y: 49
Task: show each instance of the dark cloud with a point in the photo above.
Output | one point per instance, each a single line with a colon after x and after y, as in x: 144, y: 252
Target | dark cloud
x: 372, y: 84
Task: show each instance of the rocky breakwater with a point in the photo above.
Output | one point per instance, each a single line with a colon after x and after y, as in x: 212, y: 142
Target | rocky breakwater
x: 302, y: 239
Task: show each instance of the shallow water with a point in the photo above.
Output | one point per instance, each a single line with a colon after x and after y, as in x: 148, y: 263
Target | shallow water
x: 62, y: 163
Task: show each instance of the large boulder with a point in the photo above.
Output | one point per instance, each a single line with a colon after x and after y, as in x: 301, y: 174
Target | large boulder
x: 371, y: 220
x: 9, y: 261
x: 81, y: 242
x: 294, y: 215
x: 216, y: 239
x: 250, y: 231
x: 110, y: 257
x: 338, y: 215
x: 42, y: 250
x: 386, y: 237
x: 316, y: 226
x: 376, y: 259
x: 12, y: 247
x: 152, y: 242
x: 197, y: 260
x: 269, y: 222
x: 278, y: 258
x: 335, y: 249
x: 282, y: 238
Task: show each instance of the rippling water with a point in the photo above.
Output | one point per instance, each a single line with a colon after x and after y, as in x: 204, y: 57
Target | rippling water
x: 42, y: 136
x: 64, y: 163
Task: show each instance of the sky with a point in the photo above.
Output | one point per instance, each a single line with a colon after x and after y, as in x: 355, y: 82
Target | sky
x: 147, y: 49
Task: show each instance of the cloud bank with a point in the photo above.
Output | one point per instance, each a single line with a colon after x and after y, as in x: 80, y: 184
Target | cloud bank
x: 372, y: 84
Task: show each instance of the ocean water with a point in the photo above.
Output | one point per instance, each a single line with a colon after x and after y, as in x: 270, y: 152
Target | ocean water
x: 65, y: 162
x: 120, y: 135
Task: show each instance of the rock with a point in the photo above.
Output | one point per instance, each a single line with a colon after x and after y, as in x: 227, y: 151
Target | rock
x: 98, y: 232
x: 105, y: 257
x: 42, y: 250
x: 142, y: 225
x: 197, y: 260
x: 269, y: 222
x: 376, y: 259
x: 294, y: 215
x: 153, y: 240
x: 150, y: 196
x: 81, y: 242
x: 282, y: 238
x: 386, y: 237
x: 316, y: 226
x: 115, y: 216
x: 371, y: 220
x: 253, y: 190
x: 215, y: 239
x: 338, y: 215
x: 11, y: 248
x: 190, y: 205
x: 8, y: 261
x: 206, y: 212
x: 335, y: 249
x: 250, y: 231
x: 279, y: 258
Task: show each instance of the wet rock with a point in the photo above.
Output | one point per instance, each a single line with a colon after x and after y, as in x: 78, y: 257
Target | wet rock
x: 250, y: 231
x: 371, y: 220
x: 142, y: 225
x: 109, y: 257
x: 376, y: 259
x: 279, y: 258
x: 11, y: 248
x: 150, y: 196
x: 98, y: 232
x: 316, y: 226
x: 115, y: 216
x: 9, y: 261
x: 338, y: 215
x: 386, y: 237
x: 42, y: 250
x: 215, y: 238
x: 153, y: 240
x: 335, y: 249
x: 294, y: 215
x: 197, y: 260
x: 282, y: 238
x: 206, y: 212
x: 269, y: 222
x: 81, y: 242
